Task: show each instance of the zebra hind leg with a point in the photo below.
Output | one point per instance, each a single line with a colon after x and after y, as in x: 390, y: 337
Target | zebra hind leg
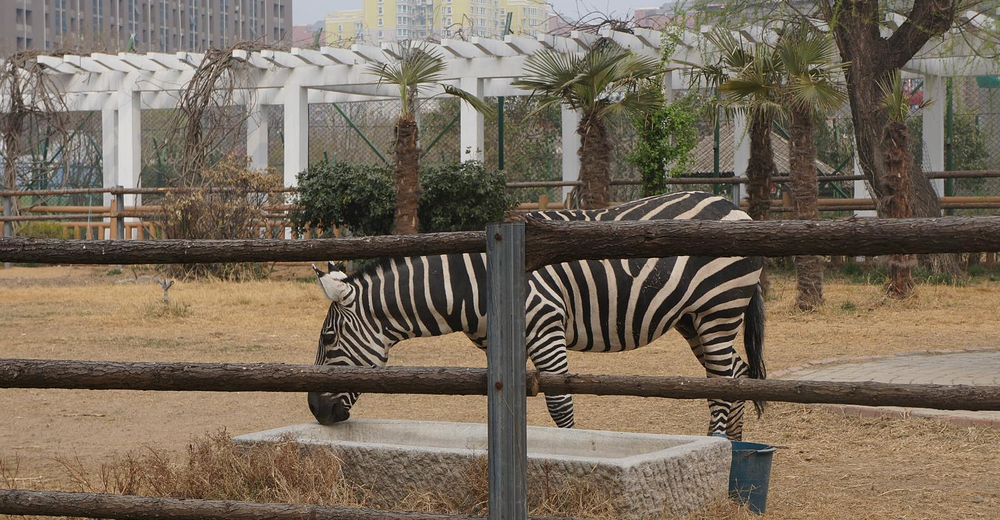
x: 547, y: 351
x: 712, y: 344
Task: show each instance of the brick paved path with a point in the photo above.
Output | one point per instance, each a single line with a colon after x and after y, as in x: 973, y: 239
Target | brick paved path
x: 954, y: 368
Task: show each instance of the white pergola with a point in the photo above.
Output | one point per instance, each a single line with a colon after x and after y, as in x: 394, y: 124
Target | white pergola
x: 122, y: 85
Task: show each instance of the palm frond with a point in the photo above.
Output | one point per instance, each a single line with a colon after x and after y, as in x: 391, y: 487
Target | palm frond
x: 471, y: 99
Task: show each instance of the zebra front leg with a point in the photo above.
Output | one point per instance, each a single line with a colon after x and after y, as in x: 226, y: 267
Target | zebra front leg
x: 712, y: 344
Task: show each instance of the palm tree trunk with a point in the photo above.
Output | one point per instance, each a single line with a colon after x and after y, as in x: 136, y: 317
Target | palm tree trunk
x: 805, y: 205
x: 595, y: 164
x: 407, y: 180
x: 760, y: 169
x: 896, y: 189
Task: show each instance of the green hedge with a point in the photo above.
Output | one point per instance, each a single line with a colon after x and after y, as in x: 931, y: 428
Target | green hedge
x: 454, y: 197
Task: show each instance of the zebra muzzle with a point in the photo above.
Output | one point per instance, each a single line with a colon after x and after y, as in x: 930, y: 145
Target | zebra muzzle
x: 328, y: 409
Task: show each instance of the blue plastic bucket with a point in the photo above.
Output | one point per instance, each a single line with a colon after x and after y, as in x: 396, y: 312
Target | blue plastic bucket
x: 750, y: 474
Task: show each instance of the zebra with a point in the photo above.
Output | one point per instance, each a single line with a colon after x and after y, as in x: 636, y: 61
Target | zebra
x: 599, y: 306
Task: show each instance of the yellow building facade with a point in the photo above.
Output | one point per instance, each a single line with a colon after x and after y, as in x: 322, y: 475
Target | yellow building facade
x: 394, y: 20
x: 344, y: 26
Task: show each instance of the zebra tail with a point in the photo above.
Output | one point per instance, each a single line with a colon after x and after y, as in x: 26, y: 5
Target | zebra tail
x: 753, y: 341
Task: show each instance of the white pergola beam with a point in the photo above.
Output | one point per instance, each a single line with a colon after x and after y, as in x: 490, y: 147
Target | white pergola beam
x: 312, y: 58
x: 140, y: 62
x: 521, y: 45
x: 341, y: 56
x: 584, y: 39
x: 392, y: 50
x: 169, y: 61
x: 57, y: 64
x: 369, y: 53
x: 253, y: 59
x: 460, y: 49
x: 559, y: 43
x: 491, y: 47
x: 631, y: 42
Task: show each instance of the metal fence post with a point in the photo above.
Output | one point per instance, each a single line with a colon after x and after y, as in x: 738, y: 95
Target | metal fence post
x: 507, y: 401
x: 120, y: 220
x: 8, y: 226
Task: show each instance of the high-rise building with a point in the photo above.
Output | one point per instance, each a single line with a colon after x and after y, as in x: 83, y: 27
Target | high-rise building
x: 144, y: 25
x: 394, y: 20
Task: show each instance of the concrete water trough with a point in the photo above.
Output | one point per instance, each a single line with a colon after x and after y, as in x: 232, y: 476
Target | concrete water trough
x: 644, y: 475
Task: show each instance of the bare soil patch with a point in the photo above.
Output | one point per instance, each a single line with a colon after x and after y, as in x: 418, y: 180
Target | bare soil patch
x: 830, y: 466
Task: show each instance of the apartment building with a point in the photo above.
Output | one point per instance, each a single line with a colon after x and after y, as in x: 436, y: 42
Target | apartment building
x: 394, y: 20
x: 343, y: 27
x: 144, y: 25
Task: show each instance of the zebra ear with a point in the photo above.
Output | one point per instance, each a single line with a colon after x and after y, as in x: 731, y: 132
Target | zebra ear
x: 331, y: 283
x: 334, y: 289
x: 336, y: 270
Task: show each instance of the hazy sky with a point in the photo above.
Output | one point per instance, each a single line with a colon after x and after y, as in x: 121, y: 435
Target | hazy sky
x: 309, y: 11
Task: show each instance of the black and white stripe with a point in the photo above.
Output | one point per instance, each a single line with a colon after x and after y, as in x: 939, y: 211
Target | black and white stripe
x: 591, y: 306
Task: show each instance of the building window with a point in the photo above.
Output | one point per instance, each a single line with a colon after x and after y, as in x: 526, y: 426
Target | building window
x: 380, y: 22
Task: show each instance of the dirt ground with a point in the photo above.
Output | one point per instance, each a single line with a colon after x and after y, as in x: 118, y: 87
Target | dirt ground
x: 828, y: 466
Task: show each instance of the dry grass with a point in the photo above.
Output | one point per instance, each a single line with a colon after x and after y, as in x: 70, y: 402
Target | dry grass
x: 832, y: 467
x: 216, y: 468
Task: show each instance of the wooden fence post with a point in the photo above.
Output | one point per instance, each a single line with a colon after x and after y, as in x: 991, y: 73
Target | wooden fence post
x: 507, y: 403
x: 120, y: 221
x: 8, y: 226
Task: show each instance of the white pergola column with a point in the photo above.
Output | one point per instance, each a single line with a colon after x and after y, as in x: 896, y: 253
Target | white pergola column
x: 296, y: 133
x: 109, y: 150
x: 861, y: 190
x: 129, y: 163
x: 670, y: 84
x: 570, y: 147
x: 934, y: 90
x: 257, y: 138
x: 472, y: 122
x: 741, y: 151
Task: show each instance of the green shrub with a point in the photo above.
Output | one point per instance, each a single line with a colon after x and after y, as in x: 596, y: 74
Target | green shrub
x: 361, y: 197
x: 462, y: 197
x: 41, y: 229
x: 455, y: 197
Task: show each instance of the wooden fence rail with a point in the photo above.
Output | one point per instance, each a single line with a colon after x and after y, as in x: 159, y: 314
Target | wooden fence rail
x: 129, y: 507
x: 237, y: 377
x: 550, y: 242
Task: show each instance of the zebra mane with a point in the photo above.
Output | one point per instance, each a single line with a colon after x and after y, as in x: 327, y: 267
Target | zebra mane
x: 370, y: 267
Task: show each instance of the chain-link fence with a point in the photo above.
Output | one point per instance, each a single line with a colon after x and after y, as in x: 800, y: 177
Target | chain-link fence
x: 65, y: 157
x: 224, y: 132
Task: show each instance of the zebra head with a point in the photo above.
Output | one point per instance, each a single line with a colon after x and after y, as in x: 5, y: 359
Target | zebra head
x: 344, y: 341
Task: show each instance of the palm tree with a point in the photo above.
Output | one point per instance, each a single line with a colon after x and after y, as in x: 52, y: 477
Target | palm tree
x: 606, y: 82
x: 896, y: 184
x: 417, y: 70
x: 791, y: 80
x: 749, y: 77
x: 810, y: 65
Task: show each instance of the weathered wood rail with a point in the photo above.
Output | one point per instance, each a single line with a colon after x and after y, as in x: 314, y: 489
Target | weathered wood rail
x: 550, y: 242
x: 263, y: 377
x: 127, y: 507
